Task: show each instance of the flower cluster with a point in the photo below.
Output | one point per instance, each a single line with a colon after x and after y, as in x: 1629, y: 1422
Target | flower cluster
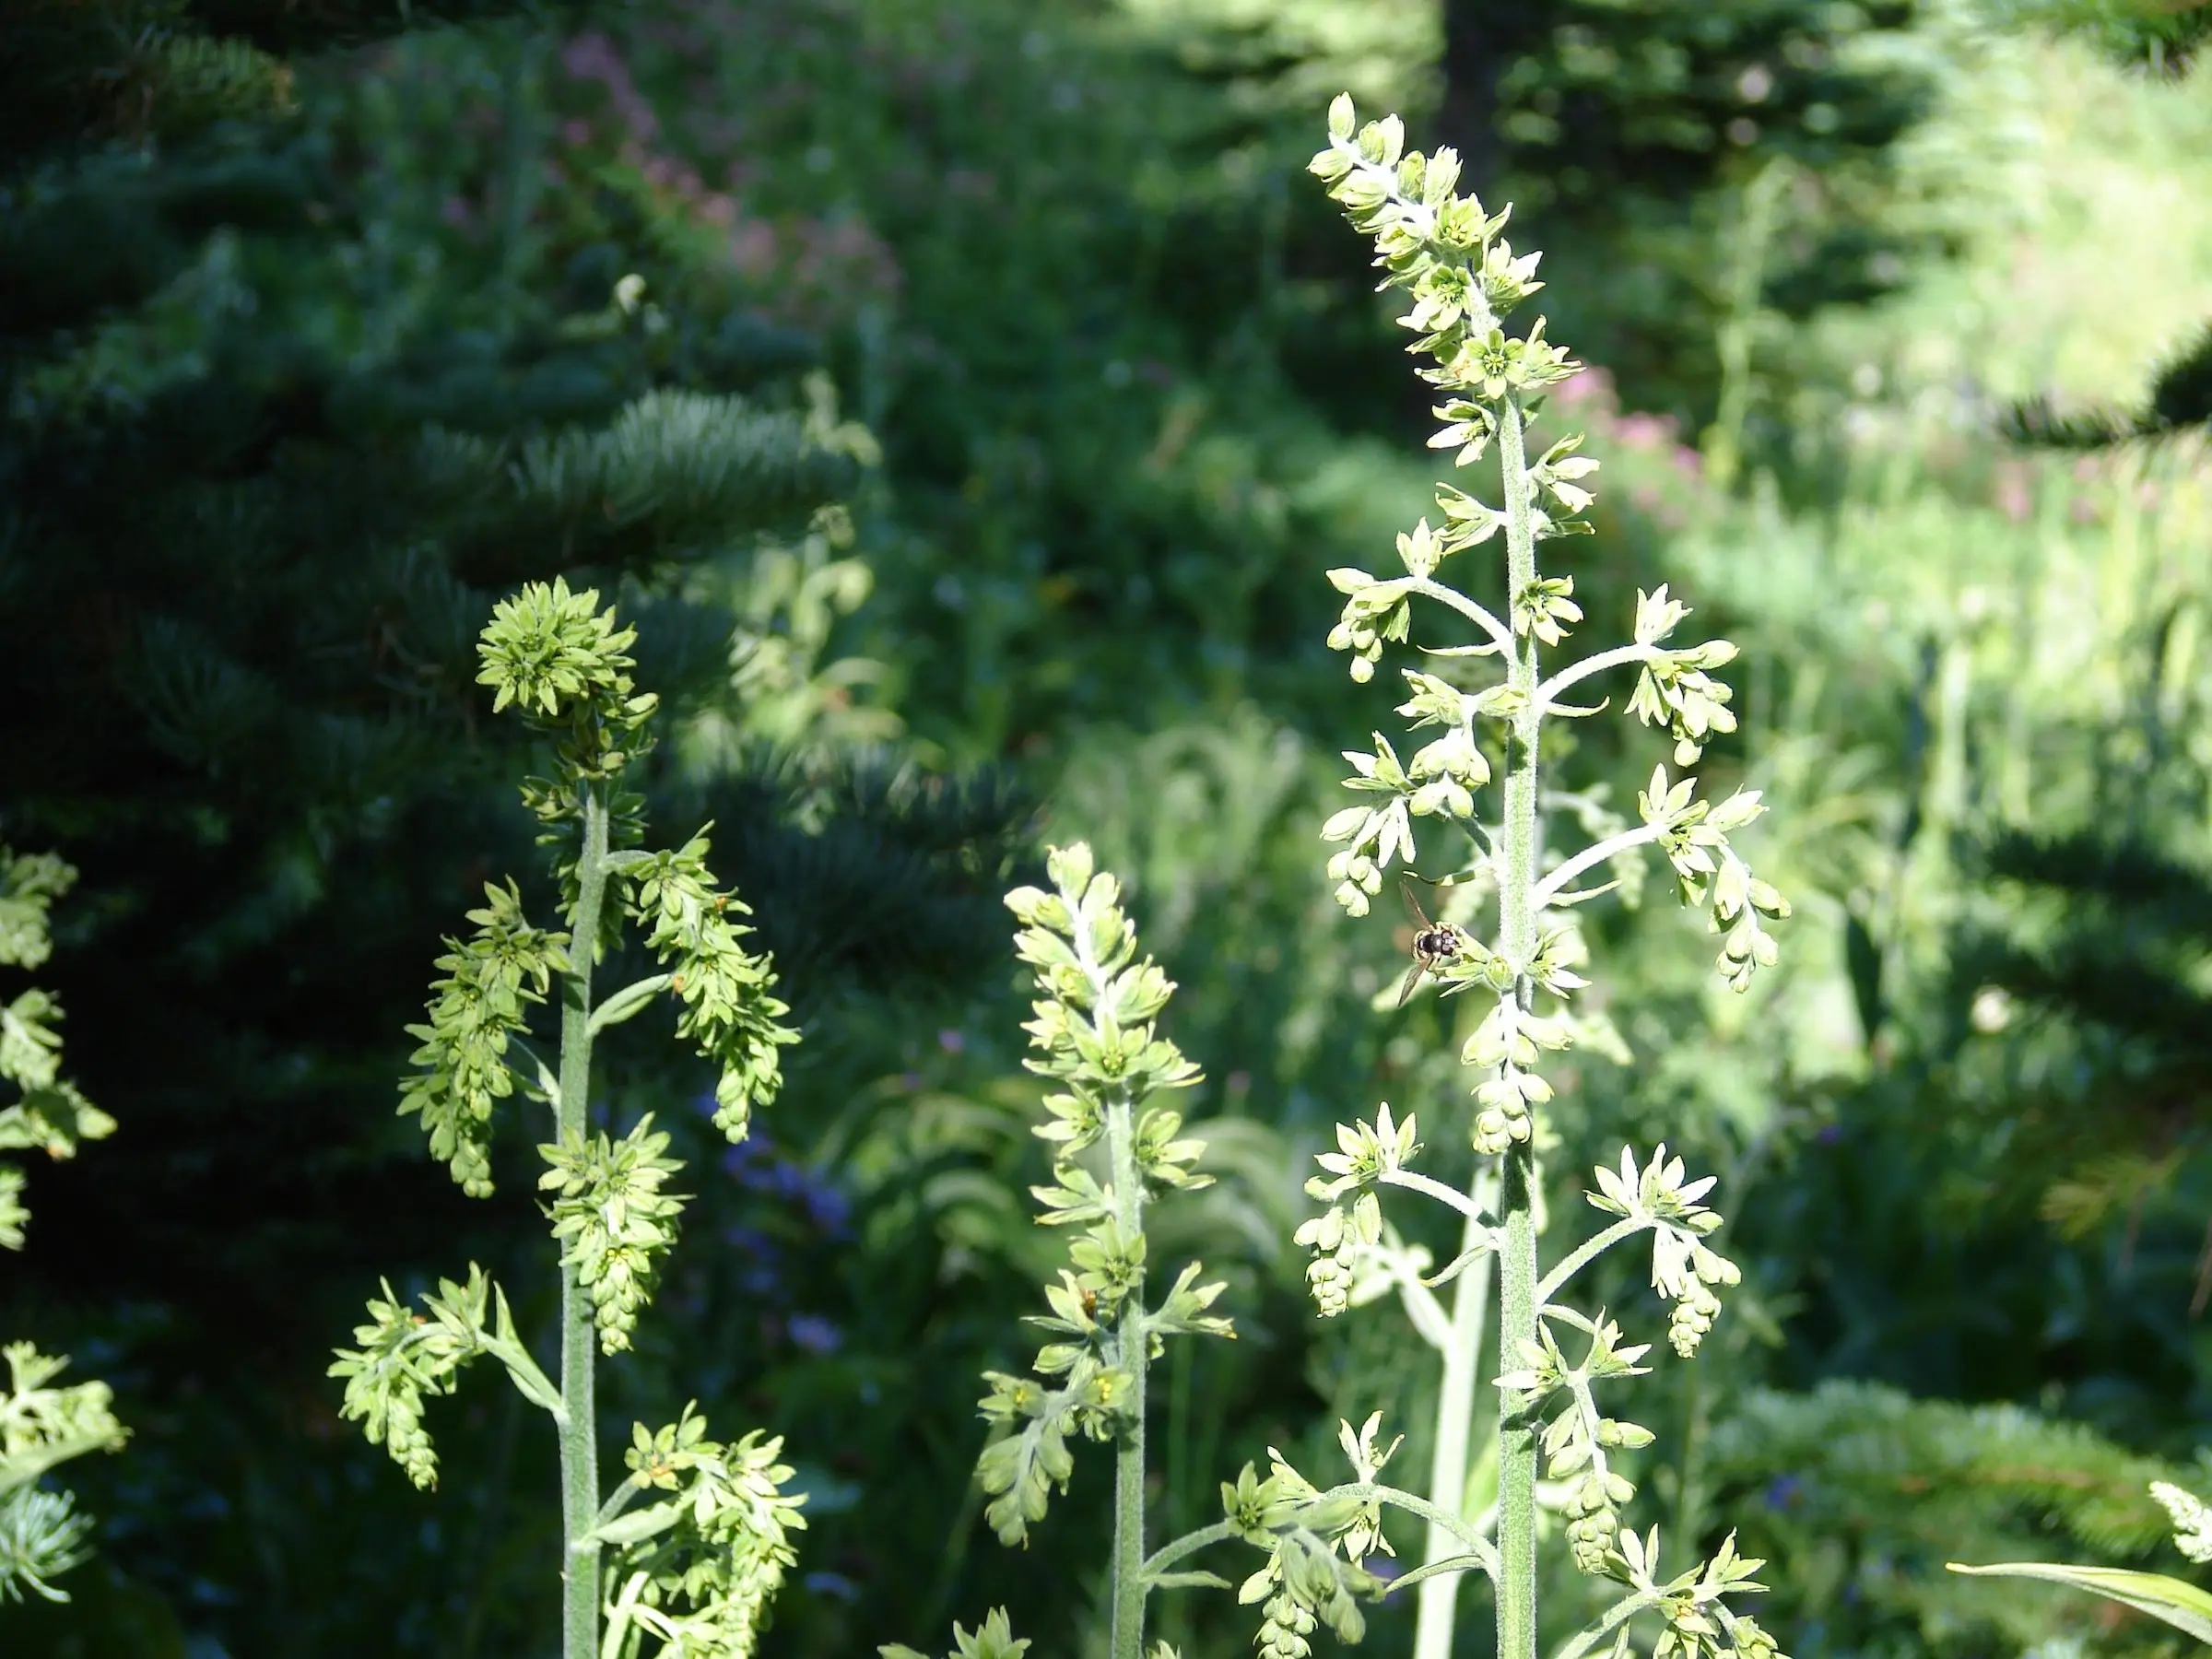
x: 48, y: 1114
x: 993, y: 1639
x: 1694, y: 836
x: 696, y: 1569
x: 405, y: 1357
x: 730, y: 1010
x: 1316, y: 1542
x: 2192, y: 1520
x: 1699, y: 1622
x: 42, y: 1424
x: 1684, y: 1268
x: 608, y: 1209
x: 30, y: 883
x: 42, y: 1533
x: 480, y: 1004
x: 1462, y: 281
x: 563, y: 660
x: 1092, y: 1034
x: 1674, y: 691
x: 1340, y: 1238
x: 1305, y: 1581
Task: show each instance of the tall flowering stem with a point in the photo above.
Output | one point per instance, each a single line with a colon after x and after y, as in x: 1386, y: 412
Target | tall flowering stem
x: 1094, y: 1035
x: 1471, y: 724
x: 682, y: 1557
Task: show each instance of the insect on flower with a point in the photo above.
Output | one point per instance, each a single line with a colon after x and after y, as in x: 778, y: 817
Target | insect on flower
x: 1434, y: 943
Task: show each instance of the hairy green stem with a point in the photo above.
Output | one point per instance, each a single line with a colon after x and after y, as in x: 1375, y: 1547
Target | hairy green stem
x: 1500, y: 636
x: 1587, y: 1251
x: 1466, y: 1204
x: 1517, y: 931
x: 1689, y: 1497
x: 1413, y: 1503
x: 1129, y: 1449
x: 1191, y: 1543
x: 1615, y: 1617
x: 578, y: 1433
x: 1454, y: 1425
x: 1550, y: 690
x: 1613, y: 846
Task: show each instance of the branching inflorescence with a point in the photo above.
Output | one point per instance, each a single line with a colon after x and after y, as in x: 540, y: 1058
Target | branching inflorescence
x: 693, y: 1545
x: 1473, y: 724
x: 1093, y: 1035
x: 1114, y: 1153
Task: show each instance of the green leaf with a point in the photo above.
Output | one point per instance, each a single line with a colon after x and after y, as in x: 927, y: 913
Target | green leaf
x: 2179, y: 1602
x: 641, y: 1524
x: 1197, y: 1579
x: 626, y: 1002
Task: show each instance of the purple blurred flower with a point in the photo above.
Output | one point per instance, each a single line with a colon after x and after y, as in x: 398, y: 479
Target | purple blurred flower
x: 830, y: 1209
x: 814, y: 1334
x: 759, y: 1167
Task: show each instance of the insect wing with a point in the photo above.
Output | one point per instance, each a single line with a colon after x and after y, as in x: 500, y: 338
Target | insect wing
x: 1413, y: 905
x: 1413, y: 978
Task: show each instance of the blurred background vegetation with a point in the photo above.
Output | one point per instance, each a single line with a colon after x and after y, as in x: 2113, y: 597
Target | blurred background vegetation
x: 995, y: 393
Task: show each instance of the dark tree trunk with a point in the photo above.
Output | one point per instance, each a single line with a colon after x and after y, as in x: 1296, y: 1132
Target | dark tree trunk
x: 1482, y: 40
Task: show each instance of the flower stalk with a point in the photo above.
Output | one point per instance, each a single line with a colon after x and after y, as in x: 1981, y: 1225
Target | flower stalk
x: 1093, y: 1035
x: 684, y: 1558
x: 1552, y: 1362
x: 579, y: 1426
x: 1095, y: 1039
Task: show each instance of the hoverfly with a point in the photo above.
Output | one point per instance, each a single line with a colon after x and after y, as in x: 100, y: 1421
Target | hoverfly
x: 1434, y: 943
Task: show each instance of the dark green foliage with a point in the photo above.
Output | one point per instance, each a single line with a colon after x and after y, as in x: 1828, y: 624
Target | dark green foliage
x: 1854, y: 1488
x: 2133, y: 924
x: 2108, y: 1025
x: 2181, y: 402
x: 1620, y: 132
x: 2165, y: 38
x: 870, y: 875
x: 75, y: 74
x: 2162, y: 36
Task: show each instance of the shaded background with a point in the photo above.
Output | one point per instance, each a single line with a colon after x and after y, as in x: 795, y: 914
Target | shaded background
x: 999, y: 390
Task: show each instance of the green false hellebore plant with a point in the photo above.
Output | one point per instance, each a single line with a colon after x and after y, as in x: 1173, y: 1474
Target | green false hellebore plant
x: 693, y: 1545
x: 1115, y: 1155
x: 42, y: 1424
x: 1555, y: 1360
